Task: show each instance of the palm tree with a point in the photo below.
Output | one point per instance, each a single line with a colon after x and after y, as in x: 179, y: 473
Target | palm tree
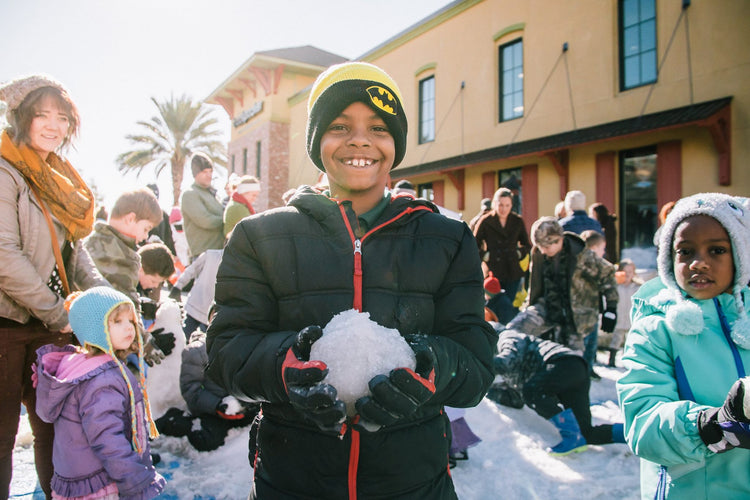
x: 181, y: 128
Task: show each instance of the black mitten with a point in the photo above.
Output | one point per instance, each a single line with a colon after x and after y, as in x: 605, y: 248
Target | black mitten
x: 303, y: 383
x: 163, y: 341
x: 609, y: 320
x: 727, y: 427
x: 175, y: 294
x: 403, y: 391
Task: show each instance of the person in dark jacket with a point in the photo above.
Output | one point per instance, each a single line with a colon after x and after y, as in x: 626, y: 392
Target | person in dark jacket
x: 289, y: 269
x: 502, y: 238
x: 553, y: 381
x: 600, y: 213
x: 577, y: 220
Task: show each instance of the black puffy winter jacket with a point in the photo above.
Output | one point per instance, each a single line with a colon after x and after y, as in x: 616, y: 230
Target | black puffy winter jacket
x: 296, y: 266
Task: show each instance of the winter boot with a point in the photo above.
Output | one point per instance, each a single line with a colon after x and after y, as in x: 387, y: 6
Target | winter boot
x: 572, y: 439
x: 618, y: 433
x: 612, y: 356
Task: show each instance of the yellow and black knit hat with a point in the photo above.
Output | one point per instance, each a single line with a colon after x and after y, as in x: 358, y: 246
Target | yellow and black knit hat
x: 341, y: 85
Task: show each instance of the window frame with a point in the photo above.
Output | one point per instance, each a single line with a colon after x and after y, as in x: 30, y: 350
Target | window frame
x: 623, y: 58
x: 501, y: 56
x: 423, y: 101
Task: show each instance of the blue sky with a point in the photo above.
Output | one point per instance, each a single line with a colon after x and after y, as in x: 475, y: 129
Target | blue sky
x: 114, y: 56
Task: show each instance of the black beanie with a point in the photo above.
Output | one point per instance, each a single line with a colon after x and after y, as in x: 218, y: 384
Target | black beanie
x: 341, y: 85
x: 199, y: 163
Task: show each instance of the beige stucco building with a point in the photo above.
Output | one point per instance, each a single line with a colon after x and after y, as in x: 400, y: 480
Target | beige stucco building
x: 634, y: 103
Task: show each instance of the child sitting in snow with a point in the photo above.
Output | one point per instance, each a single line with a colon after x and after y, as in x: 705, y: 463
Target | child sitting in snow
x: 685, y: 393
x: 552, y: 380
x: 211, y: 411
x: 99, y: 409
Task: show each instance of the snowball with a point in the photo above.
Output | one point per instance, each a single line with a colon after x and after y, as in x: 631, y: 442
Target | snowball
x: 355, y: 348
x: 233, y: 406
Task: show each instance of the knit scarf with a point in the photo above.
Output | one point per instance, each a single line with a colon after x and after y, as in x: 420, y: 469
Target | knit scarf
x: 68, y: 197
x: 241, y: 199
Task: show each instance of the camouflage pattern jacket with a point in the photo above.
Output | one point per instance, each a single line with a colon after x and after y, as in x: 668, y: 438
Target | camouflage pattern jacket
x: 590, y: 278
x: 116, y: 258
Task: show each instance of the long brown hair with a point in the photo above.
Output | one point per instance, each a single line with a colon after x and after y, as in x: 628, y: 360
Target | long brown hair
x: 23, y: 115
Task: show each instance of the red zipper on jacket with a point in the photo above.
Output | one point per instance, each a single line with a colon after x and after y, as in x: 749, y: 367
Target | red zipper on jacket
x: 357, y: 304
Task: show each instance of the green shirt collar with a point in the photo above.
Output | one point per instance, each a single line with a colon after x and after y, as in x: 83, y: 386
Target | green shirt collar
x: 367, y: 219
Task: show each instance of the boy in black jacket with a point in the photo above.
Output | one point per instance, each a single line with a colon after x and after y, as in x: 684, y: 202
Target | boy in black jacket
x: 287, y: 272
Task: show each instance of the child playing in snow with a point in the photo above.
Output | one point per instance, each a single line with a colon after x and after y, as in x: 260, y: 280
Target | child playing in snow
x: 99, y: 409
x: 685, y: 394
x: 354, y: 246
x: 627, y: 284
x: 552, y: 380
x: 212, y: 412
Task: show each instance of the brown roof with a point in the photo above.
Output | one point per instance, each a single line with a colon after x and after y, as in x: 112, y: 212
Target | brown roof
x: 305, y: 54
x: 692, y: 114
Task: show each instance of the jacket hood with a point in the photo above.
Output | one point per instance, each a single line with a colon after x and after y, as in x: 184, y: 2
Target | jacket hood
x: 681, y: 312
x: 59, y: 371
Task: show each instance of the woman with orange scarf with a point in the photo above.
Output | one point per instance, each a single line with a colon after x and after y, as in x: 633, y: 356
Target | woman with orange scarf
x: 45, y: 211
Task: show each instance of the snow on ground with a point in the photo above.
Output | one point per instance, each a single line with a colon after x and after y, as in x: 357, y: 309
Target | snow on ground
x: 510, y: 462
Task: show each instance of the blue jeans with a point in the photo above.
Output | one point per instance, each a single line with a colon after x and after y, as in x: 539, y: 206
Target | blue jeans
x: 590, y: 346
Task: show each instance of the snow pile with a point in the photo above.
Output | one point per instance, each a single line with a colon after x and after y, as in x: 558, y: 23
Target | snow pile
x: 163, y: 380
x: 355, y: 348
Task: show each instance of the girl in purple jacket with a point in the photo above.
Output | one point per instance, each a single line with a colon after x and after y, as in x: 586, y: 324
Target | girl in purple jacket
x: 98, y: 407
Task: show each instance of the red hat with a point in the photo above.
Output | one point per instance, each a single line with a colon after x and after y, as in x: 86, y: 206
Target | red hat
x: 492, y: 284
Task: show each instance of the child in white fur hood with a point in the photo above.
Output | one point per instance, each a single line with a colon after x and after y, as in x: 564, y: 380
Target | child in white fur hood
x: 686, y: 394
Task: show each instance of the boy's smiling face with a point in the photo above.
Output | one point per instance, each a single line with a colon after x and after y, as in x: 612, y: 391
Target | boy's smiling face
x: 357, y: 151
x: 703, y: 261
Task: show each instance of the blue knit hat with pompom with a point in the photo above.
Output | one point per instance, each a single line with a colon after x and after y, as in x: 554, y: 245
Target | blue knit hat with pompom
x: 733, y: 213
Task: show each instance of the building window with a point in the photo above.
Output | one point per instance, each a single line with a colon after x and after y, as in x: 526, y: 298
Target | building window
x: 427, y: 110
x: 511, y: 80
x: 425, y: 191
x: 232, y: 163
x: 511, y: 179
x: 244, y: 161
x: 257, y: 160
x: 638, y: 206
x: 637, y: 43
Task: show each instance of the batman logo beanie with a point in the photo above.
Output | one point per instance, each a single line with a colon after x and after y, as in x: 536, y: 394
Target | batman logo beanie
x: 343, y: 84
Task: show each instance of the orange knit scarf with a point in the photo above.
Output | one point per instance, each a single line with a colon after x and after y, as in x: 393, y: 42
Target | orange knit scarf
x: 68, y: 197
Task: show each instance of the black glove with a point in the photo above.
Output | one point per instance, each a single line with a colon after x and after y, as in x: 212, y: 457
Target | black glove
x: 403, y: 391
x: 163, y: 341
x: 148, y: 308
x: 722, y: 429
x: 302, y: 381
x: 609, y: 320
x: 175, y: 294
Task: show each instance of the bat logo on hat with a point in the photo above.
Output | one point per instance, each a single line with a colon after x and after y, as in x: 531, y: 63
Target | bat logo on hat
x: 383, y: 99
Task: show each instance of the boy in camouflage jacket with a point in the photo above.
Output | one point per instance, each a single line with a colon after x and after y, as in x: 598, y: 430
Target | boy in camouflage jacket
x: 570, y: 281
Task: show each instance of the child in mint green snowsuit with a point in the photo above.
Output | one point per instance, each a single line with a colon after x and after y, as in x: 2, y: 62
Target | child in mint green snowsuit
x: 687, y: 355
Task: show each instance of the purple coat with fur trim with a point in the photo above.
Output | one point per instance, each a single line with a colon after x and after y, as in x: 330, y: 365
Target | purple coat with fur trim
x: 88, y: 402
